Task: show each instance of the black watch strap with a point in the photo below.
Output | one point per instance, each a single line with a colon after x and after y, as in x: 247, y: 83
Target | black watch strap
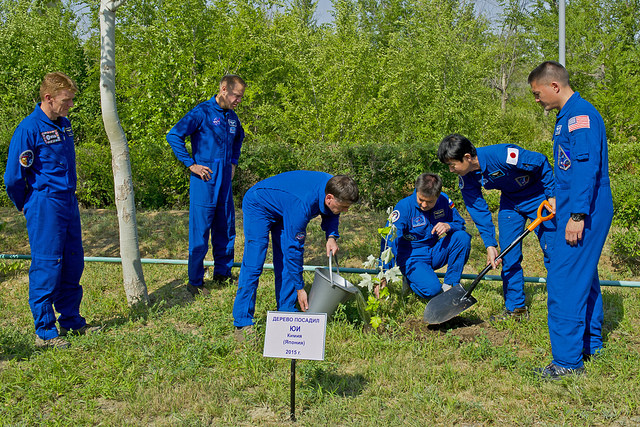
x: 578, y: 216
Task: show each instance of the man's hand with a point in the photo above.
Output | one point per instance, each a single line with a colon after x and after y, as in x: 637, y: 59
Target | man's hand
x: 302, y: 300
x: 202, y: 171
x: 332, y: 246
x: 441, y: 228
x: 552, y: 202
x: 573, y: 232
x: 492, y: 253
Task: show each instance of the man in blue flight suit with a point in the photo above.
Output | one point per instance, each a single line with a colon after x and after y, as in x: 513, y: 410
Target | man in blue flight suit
x: 430, y: 233
x: 41, y: 182
x: 525, y: 179
x: 216, y: 140
x: 584, y: 212
x: 283, y: 205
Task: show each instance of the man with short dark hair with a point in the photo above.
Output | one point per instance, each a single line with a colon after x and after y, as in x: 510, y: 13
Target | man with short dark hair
x: 216, y: 140
x: 283, y: 205
x: 41, y: 182
x: 524, y: 179
x: 430, y: 233
x: 584, y: 211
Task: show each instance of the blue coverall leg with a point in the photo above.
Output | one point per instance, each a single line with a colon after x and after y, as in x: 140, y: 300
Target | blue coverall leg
x: 575, y: 301
x: 511, y: 225
x: 257, y: 223
x: 211, y: 214
x: 53, y: 225
x: 286, y: 294
x: 452, y: 251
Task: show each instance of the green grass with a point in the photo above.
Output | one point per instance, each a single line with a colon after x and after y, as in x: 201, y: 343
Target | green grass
x: 176, y: 363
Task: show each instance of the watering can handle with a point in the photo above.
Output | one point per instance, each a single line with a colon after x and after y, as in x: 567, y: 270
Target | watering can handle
x: 331, y: 269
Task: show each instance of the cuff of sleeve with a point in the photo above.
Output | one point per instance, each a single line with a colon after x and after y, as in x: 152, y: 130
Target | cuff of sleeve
x: 234, y: 162
x: 335, y: 236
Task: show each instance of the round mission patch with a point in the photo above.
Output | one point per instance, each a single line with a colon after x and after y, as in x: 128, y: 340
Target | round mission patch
x: 26, y: 158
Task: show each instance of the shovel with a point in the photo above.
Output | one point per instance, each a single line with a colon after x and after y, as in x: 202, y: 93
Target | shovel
x: 449, y: 304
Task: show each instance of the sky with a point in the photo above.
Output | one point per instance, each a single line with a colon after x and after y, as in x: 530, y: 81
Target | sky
x: 489, y: 8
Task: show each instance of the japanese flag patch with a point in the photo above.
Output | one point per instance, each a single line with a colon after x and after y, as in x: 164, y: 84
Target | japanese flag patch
x: 26, y: 158
x: 512, y: 156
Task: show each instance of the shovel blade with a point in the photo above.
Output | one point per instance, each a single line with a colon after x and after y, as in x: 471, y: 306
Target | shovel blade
x: 447, y: 305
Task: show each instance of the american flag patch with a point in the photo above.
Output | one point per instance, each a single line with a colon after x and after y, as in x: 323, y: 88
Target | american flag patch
x: 578, y: 122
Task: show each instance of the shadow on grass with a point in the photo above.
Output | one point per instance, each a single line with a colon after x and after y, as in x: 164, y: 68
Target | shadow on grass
x: 345, y: 385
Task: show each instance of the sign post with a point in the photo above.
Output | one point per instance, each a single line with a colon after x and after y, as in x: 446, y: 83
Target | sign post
x: 295, y: 336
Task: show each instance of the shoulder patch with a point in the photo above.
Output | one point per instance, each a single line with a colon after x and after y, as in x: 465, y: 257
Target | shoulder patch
x: 216, y: 121
x: 578, y: 122
x: 395, y: 215
x: 564, y: 159
x: 460, y: 182
x: 512, y: 155
x: 26, y: 158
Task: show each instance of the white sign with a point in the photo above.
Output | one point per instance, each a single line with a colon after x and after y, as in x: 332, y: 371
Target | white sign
x: 295, y: 335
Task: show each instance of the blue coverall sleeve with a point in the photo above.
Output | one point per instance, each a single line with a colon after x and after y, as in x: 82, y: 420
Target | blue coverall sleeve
x: 295, y: 252
x: 237, y: 145
x: 178, y: 134
x: 15, y: 179
x: 585, y: 156
x: 329, y: 223
x: 480, y: 213
x: 532, y: 161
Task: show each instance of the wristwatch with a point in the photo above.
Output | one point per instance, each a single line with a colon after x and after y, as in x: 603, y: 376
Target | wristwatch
x: 577, y: 217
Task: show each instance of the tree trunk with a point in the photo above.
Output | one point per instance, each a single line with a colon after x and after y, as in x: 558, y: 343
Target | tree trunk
x: 134, y: 285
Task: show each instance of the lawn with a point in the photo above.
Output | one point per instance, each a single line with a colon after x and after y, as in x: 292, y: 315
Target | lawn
x: 177, y: 363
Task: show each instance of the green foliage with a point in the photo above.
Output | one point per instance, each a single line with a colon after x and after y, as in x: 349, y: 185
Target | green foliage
x: 385, y: 80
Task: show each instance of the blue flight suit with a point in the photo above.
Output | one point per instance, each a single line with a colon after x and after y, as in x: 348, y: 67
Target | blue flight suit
x: 525, y: 179
x: 582, y: 177
x: 418, y: 252
x: 216, y: 140
x: 41, y: 182
x: 283, y: 204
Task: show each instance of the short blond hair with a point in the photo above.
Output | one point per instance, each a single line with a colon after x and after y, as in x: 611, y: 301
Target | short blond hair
x: 56, y: 82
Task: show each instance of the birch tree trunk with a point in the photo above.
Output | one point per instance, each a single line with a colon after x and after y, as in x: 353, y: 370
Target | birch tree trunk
x: 134, y: 284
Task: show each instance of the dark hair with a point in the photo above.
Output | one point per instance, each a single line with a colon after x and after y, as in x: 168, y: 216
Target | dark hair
x: 549, y: 71
x: 343, y: 188
x: 429, y: 184
x: 454, y: 147
x: 231, y: 80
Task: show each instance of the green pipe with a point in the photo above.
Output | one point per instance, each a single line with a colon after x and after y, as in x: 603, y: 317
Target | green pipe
x: 621, y: 283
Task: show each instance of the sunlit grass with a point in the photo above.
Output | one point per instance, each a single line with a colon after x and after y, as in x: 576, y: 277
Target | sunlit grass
x: 177, y: 363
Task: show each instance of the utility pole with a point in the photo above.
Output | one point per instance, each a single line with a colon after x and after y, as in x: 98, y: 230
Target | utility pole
x: 561, y: 33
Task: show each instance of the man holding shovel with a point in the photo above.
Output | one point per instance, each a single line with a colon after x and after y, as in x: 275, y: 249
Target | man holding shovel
x: 584, y: 213
x: 525, y: 179
x: 283, y: 205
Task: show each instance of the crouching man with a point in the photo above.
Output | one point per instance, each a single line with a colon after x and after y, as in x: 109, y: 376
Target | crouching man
x: 430, y: 235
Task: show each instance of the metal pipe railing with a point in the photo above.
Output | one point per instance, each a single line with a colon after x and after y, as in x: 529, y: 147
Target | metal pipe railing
x: 620, y: 283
